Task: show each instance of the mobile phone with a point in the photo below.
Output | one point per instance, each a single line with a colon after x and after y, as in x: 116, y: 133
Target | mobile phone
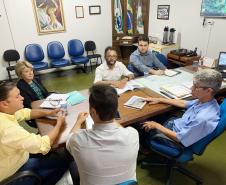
x: 117, y: 115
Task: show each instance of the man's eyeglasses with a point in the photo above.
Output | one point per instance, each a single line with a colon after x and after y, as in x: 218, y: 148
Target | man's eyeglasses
x: 199, y: 87
x: 111, y: 56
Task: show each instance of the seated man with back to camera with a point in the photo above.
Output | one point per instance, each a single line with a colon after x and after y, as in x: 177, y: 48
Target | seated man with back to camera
x: 112, y: 71
x: 202, y: 114
x: 144, y: 61
x: 107, y: 153
x: 16, y: 143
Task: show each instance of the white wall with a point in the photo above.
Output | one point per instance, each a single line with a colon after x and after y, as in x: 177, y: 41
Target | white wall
x: 22, y: 20
x: 185, y: 18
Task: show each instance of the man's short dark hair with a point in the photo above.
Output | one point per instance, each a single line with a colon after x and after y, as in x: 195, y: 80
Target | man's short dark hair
x: 104, y: 99
x: 5, y: 88
x: 143, y: 38
x: 109, y: 48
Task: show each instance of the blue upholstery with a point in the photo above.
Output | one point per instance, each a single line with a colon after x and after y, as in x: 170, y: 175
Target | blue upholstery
x: 134, y: 71
x: 35, y: 55
x: 56, y: 53
x: 129, y: 182
x: 178, y: 156
x: 76, y: 50
x: 162, y: 58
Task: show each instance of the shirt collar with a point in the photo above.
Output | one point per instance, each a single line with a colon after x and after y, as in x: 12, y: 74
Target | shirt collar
x: 9, y: 116
x: 107, y: 126
x: 143, y: 54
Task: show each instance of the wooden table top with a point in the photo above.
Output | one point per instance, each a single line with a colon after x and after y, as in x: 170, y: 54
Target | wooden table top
x: 128, y: 115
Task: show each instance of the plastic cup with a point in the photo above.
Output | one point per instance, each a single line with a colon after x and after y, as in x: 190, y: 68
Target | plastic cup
x: 146, y: 74
x: 195, y: 65
x: 63, y: 106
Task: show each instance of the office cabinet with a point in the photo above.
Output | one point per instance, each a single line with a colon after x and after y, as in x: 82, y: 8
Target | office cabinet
x: 129, y: 20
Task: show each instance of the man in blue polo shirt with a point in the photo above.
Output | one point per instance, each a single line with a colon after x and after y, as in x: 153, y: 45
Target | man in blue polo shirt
x: 202, y: 114
x: 143, y: 60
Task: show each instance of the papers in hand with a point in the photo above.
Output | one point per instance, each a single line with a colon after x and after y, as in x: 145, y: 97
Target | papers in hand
x: 170, y: 72
x: 135, y: 102
x: 54, y: 100
x: 177, y: 91
x: 89, y: 122
x: 130, y: 85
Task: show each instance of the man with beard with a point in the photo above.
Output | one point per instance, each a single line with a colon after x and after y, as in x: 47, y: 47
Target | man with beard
x: 112, y: 72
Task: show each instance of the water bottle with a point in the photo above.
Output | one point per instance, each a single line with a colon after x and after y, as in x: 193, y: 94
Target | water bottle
x: 63, y: 106
x: 165, y: 35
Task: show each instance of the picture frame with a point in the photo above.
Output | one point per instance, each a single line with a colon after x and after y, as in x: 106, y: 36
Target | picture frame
x: 94, y: 10
x: 163, y: 12
x: 79, y: 12
x: 49, y: 16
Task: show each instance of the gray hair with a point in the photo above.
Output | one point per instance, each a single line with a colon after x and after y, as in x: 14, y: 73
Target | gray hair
x: 208, y: 78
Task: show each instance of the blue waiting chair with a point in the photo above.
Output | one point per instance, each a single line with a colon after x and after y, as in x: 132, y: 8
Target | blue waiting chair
x: 35, y: 55
x: 176, y: 154
x: 76, y: 51
x: 56, y: 53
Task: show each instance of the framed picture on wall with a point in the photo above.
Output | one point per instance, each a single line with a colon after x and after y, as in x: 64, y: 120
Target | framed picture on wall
x: 49, y: 16
x: 94, y: 10
x: 79, y: 11
x: 163, y: 12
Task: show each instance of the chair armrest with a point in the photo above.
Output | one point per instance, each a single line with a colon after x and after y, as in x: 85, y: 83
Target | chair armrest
x: 161, y: 141
x: 20, y: 175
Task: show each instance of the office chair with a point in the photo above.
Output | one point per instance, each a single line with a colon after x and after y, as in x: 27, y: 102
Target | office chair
x: 56, y: 53
x: 90, y: 47
x: 76, y: 51
x: 22, y: 178
x: 35, y: 55
x: 162, y: 58
x: 177, y: 154
x: 9, y: 56
x: 136, y: 73
x: 129, y: 182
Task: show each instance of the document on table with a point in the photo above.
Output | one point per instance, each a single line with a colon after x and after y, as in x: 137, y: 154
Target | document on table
x: 135, y: 102
x: 130, y: 85
x: 54, y: 100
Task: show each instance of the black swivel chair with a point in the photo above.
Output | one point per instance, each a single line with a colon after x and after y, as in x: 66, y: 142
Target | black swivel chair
x: 21, y: 178
x: 9, y: 56
x: 90, y: 48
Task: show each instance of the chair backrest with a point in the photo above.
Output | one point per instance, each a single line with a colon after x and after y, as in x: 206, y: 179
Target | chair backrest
x: 55, y: 50
x: 75, y: 48
x: 199, y: 147
x: 11, y: 55
x: 134, y: 70
x: 34, y: 53
x: 162, y: 58
x: 90, y: 45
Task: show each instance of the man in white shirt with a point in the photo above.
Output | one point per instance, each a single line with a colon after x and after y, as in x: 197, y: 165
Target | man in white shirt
x: 107, y: 153
x: 112, y: 71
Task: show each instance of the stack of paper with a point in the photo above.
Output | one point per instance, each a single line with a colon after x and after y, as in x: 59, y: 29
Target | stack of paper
x: 54, y: 100
x: 171, y: 72
x: 176, y: 91
x: 129, y: 87
x: 135, y: 102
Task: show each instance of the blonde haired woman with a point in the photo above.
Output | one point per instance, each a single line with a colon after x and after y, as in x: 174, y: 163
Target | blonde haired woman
x: 30, y: 88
